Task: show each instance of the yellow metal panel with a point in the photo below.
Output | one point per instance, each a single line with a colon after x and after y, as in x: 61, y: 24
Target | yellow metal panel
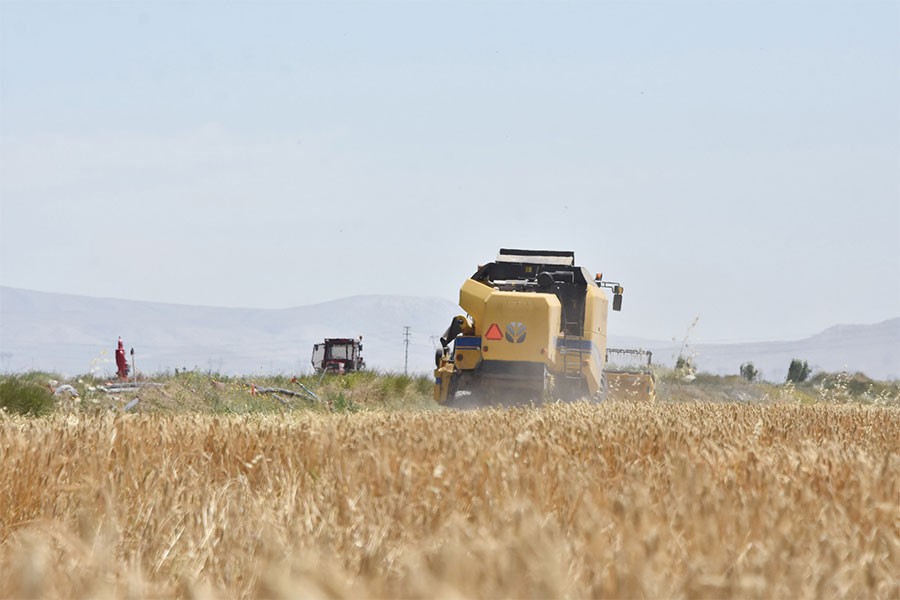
x: 442, y: 378
x: 472, y: 298
x: 529, y: 324
x: 596, y: 307
x: 467, y: 358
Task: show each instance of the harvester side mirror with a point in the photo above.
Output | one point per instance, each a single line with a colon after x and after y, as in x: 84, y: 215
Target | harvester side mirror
x: 617, y: 302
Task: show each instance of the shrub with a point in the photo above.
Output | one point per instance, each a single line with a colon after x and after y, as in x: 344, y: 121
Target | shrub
x: 343, y: 403
x: 685, y: 370
x: 22, y: 395
x: 749, y: 371
x: 798, y: 372
x: 394, y: 385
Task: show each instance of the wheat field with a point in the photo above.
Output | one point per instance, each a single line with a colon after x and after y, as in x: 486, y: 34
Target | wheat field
x: 617, y: 500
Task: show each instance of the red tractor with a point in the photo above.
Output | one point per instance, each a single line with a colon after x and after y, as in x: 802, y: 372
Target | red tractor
x: 338, y: 355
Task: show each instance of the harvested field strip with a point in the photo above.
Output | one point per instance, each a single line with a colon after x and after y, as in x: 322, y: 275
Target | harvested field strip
x: 778, y: 500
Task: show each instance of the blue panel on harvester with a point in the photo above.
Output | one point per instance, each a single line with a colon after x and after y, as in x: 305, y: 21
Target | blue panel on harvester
x: 468, y: 342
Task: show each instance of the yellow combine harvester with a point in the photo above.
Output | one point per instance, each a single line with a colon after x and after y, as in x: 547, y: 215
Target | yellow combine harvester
x: 535, y: 329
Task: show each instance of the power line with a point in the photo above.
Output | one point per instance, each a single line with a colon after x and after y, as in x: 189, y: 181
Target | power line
x: 406, y: 355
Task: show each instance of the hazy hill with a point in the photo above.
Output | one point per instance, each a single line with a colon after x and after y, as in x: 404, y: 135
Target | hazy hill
x: 70, y: 334
x: 873, y: 349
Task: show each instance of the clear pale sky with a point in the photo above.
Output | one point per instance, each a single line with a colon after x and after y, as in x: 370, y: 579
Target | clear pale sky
x: 739, y: 162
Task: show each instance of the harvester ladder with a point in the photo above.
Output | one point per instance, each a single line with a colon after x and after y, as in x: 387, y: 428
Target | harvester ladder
x: 572, y: 357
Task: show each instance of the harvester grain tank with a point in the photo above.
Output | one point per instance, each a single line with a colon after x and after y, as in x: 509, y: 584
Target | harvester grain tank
x: 534, y: 329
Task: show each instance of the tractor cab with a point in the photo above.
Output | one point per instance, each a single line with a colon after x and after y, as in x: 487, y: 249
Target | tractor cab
x: 338, y: 355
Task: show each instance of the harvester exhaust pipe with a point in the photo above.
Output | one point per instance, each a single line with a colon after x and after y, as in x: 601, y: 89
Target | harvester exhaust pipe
x: 546, y: 279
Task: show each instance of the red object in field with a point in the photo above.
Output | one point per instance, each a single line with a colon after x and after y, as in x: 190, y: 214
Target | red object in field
x: 121, y: 361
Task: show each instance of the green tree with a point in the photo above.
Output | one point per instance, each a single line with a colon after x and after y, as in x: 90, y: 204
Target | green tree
x: 798, y: 372
x: 749, y: 371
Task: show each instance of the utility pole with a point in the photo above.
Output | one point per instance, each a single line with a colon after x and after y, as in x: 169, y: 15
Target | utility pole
x: 406, y: 356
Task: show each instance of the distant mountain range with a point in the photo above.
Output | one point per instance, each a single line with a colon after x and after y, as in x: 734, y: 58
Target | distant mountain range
x: 75, y: 334
x: 872, y: 349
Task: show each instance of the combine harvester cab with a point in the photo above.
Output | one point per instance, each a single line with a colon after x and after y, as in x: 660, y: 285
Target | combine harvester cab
x: 535, y: 330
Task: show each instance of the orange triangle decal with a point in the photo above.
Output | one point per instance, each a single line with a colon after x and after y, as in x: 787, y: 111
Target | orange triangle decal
x: 493, y: 332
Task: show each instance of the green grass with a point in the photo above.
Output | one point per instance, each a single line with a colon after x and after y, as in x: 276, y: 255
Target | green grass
x: 823, y: 387
x: 26, y: 395
x: 205, y: 392
x: 211, y: 393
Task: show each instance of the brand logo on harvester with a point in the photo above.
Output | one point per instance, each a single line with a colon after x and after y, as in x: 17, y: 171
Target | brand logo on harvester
x: 515, y: 332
